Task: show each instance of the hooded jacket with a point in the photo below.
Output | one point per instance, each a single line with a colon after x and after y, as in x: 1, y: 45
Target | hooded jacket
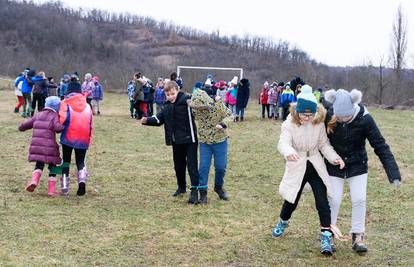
x: 178, y: 121
x: 348, y: 139
x: 77, y: 118
x: 305, y: 141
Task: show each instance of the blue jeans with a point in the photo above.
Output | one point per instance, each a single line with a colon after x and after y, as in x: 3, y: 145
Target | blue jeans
x: 240, y: 112
x: 207, y: 151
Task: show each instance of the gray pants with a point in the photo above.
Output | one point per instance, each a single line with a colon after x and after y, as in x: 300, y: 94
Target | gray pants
x: 358, y: 193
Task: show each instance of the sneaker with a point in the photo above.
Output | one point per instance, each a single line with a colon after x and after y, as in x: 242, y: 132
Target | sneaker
x: 178, y: 192
x: 280, y: 228
x: 326, y: 243
x: 358, y: 243
x: 16, y: 110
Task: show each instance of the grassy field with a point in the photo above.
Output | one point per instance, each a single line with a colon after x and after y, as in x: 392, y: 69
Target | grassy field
x: 128, y: 217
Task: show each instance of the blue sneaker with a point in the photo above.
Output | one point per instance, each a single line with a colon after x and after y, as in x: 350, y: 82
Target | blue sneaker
x: 280, y: 228
x: 326, y: 243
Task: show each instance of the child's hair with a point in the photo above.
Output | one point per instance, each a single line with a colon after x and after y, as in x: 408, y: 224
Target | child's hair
x: 137, y: 75
x: 170, y: 85
x: 173, y: 76
x: 331, y: 125
x: 296, y: 118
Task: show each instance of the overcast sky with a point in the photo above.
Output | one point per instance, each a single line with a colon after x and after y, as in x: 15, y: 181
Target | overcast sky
x: 335, y: 32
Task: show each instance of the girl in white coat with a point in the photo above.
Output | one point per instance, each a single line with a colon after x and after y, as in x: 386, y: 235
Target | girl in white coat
x: 302, y: 138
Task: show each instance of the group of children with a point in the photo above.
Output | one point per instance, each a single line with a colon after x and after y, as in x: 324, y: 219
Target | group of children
x: 276, y: 98
x: 73, y: 118
x: 322, y: 148
x: 32, y: 89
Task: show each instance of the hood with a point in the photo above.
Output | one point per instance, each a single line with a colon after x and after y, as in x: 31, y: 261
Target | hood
x: 76, y: 101
x: 201, y: 100
x: 319, y: 117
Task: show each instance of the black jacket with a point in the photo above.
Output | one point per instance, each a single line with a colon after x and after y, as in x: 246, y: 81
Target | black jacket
x: 348, y: 140
x: 243, y: 93
x: 178, y: 121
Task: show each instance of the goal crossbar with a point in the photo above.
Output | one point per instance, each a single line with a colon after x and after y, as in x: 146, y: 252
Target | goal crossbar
x: 208, y: 68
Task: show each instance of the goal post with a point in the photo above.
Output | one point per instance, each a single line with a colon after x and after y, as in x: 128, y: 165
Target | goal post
x: 192, y: 74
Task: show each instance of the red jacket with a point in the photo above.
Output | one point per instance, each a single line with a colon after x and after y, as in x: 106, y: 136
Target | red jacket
x: 264, y: 96
x: 43, y: 147
x: 76, y: 116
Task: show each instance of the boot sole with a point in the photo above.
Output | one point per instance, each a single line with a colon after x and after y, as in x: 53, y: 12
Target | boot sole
x: 31, y: 187
x: 327, y: 253
x: 81, y: 189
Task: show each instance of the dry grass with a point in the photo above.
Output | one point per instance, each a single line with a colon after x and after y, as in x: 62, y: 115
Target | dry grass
x: 128, y: 217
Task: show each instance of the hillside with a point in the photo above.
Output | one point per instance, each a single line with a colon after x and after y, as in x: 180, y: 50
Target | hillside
x: 58, y: 39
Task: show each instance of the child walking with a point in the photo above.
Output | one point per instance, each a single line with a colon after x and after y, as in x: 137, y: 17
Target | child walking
x: 76, y: 115
x: 349, y: 125
x: 210, y: 115
x: 43, y: 148
x: 302, y: 137
x: 97, y: 95
x: 181, y: 133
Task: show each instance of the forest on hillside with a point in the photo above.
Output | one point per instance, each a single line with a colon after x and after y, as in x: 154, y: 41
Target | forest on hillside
x: 57, y: 39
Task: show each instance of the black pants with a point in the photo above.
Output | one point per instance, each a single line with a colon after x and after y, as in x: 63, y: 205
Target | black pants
x: 80, y: 155
x: 285, y: 113
x: 89, y: 101
x: 150, y: 109
x: 266, y: 106
x: 185, y: 155
x: 40, y: 100
x: 40, y: 166
x: 319, y: 192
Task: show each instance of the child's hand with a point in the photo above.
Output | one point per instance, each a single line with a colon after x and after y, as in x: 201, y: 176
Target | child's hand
x: 339, y: 162
x: 144, y: 120
x: 217, y: 98
x: 219, y: 127
x: 293, y: 157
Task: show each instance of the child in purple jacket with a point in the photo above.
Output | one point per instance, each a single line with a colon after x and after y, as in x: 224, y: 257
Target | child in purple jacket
x: 43, y: 148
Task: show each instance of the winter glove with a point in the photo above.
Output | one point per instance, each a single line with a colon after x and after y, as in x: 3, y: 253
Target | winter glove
x: 396, y: 183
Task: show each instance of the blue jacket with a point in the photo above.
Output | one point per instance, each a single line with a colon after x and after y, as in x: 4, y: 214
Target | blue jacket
x: 63, y: 88
x: 287, y: 97
x: 27, y: 84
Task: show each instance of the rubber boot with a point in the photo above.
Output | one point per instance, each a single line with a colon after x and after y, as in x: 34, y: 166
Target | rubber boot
x: 65, y: 181
x: 82, y: 179
x: 35, y: 180
x: 203, y: 197
x: 51, y: 187
x: 193, y: 196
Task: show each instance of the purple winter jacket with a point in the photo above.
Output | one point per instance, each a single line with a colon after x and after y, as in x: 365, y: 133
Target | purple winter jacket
x: 43, y: 147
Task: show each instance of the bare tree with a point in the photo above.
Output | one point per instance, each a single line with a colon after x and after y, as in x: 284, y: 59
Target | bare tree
x: 383, y: 82
x: 399, y: 46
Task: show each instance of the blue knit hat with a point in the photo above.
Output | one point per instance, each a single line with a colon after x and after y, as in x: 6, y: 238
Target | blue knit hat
x: 306, y: 101
x: 53, y: 102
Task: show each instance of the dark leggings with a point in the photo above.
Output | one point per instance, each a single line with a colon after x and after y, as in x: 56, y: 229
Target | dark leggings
x: 40, y: 100
x: 265, y: 107
x: 40, y: 166
x: 319, y: 192
x: 80, y: 155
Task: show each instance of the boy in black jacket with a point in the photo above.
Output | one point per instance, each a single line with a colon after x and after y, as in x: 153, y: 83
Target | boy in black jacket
x: 181, y: 133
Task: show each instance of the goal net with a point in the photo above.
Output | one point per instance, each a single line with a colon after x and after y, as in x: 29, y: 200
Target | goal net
x: 193, y: 74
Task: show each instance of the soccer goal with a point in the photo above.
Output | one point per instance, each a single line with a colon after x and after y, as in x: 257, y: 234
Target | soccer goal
x: 192, y: 74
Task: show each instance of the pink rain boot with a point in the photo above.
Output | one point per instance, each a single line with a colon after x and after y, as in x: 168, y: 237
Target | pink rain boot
x: 51, y: 187
x: 35, y: 180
